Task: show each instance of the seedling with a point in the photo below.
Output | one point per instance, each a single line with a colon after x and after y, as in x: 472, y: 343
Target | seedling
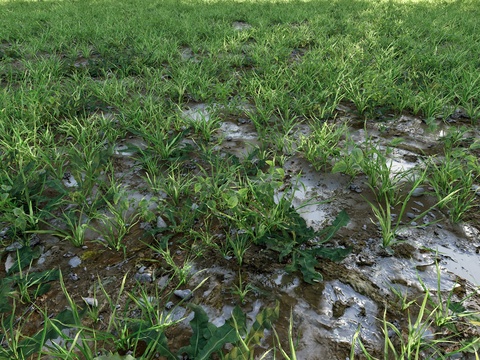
x: 241, y: 290
x: 321, y: 146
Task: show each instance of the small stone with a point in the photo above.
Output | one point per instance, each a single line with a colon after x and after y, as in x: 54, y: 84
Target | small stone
x: 355, y: 188
x: 73, y: 276
x: 410, y: 215
x: 476, y: 188
x: 419, y: 191
x: 74, y: 261
x: 14, y: 247
x: 161, y: 223
x: 365, y: 260
x: 163, y: 282
x: 184, y: 294
x: 169, y: 305
x: 9, y: 262
x: 90, y: 301
x: 144, y: 277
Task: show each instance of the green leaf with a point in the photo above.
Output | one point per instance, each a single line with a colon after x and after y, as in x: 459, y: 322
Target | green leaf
x: 357, y: 155
x: 456, y: 307
x: 334, y: 254
x: 65, y: 319
x: 212, y: 205
x: 263, y: 321
x: 5, y: 287
x: 202, y: 331
x: 232, y: 201
x: 396, y: 141
x: 341, y: 220
x: 223, y: 335
x: 162, y: 347
x: 339, y: 167
x: 305, y: 262
x: 25, y: 256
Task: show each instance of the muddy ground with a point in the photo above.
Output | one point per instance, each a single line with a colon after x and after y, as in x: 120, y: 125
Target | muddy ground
x: 354, y: 293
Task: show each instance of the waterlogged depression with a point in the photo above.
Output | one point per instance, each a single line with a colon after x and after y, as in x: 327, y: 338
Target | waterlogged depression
x: 433, y: 255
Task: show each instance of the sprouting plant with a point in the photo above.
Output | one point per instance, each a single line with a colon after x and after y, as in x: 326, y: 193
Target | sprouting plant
x: 321, y: 145
x: 378, y: 167
x: 176, y: 184
x: 208, y: 339
x: 349, y: 161
x: 205, y: 126
x: 74, y: 224
x: 430, y: 333
x: 241, y: 290
x: 239, y: 243
x: 162, y: 142
x: 452, y: 180
x: 120, y: 214
x: 181, y: 272
x: 291, y: 343
x: 390, y: 225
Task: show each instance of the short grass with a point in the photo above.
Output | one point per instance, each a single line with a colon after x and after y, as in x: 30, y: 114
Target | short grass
x: 78, y: 78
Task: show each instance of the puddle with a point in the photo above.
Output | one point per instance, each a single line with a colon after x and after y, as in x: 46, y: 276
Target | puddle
x: 197, y: 112
x: 464, y: 265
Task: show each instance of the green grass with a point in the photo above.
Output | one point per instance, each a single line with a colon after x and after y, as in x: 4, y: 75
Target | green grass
x: 79, y: 78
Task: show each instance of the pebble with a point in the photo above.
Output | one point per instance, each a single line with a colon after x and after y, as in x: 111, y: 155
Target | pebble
x: 74, y: 261
x: 419, y: 191
x: 161, y: 223
x: 9, y: 262
x: 410, y: 215
x: 163, y: 282
x: 169, y: 305
x: 90, y: 301
x: 184, y: 294
x: 355, y: 188
x: 14, y: 247
x: 143, y: 277
x: 73, y: 276
x: 476, y: 188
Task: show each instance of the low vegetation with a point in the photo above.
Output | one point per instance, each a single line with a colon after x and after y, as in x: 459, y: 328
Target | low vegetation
x: 111, y: 118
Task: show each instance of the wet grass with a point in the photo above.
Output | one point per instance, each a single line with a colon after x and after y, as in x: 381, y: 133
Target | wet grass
x: 84, y: 83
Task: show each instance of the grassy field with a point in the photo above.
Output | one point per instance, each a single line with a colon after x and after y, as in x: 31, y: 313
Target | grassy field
x: 84, y: 81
